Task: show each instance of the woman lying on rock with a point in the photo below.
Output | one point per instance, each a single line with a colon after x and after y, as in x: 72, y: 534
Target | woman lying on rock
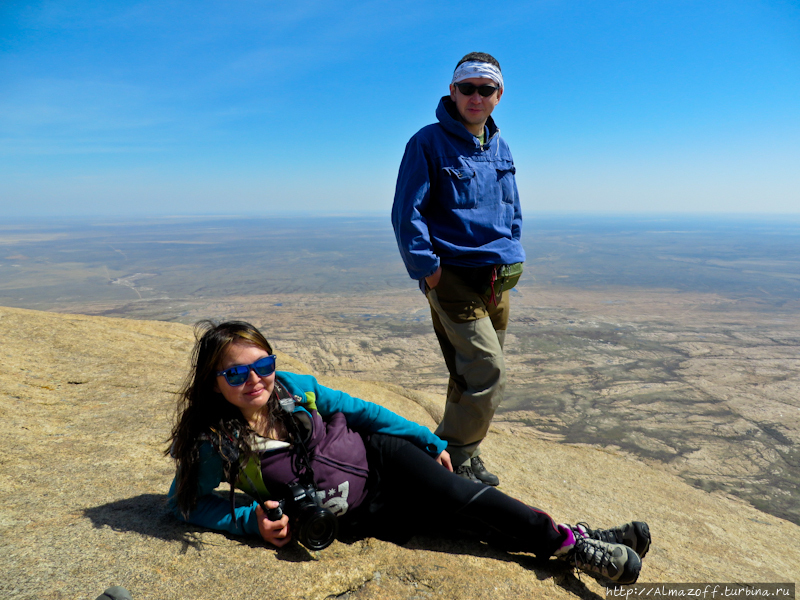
x: 316, y: 460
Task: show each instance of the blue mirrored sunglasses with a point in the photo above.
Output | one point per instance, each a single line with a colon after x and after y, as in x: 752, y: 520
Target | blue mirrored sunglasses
x: 236, y: 376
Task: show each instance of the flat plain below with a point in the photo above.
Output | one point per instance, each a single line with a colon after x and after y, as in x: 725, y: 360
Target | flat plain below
x: 675, y: 340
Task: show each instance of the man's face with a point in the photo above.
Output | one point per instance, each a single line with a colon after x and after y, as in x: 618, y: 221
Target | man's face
x: 475, y: 109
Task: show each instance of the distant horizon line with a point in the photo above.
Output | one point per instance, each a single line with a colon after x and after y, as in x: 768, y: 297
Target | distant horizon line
x: 646, y: 215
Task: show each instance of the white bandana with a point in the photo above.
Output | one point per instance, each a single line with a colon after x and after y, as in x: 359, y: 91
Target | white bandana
x: 471, y: 69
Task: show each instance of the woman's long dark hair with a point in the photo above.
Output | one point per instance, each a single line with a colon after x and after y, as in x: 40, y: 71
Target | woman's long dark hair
x: 203, y: 414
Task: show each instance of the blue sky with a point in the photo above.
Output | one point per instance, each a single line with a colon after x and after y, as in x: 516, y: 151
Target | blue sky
x: 242, y: 107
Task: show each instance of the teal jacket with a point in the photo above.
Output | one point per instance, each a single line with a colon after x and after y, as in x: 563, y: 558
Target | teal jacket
x: 213, y: 511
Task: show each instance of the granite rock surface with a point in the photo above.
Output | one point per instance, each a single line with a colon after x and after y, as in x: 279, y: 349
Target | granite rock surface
x: 85, y: 408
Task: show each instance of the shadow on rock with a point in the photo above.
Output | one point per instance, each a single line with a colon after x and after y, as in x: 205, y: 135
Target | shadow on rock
x: 148, y: 515
x: 563, y: 575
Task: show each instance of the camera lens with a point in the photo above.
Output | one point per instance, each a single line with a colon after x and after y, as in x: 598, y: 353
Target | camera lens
x: 318, y: 528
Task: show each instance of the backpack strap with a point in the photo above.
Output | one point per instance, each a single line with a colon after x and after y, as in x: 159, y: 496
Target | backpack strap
x: 246, y: 478
x: 251, y: 482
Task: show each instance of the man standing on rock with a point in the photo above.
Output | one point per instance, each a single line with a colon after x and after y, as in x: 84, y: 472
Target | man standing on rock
x: 457, y: 219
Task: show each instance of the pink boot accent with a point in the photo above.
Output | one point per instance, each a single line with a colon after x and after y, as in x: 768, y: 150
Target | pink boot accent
x: 568, y: 543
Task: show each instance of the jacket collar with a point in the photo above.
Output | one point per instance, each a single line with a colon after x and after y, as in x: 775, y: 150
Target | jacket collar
x: 447, y: 113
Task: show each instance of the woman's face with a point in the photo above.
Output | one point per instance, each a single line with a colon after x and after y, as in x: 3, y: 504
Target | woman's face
x: 250, y: 397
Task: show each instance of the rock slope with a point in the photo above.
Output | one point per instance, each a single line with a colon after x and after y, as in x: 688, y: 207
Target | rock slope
x: 86, y: 404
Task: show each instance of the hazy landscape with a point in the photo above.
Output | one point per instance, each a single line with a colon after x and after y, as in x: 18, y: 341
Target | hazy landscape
x: 673, y: 339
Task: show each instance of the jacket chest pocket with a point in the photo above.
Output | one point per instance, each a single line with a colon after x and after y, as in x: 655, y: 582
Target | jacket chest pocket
x: 458, y: 187
x: 506, y: 184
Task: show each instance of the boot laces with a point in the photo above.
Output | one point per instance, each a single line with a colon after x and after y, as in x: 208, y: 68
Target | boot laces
x: 612, y: 536
x: 592, y: 553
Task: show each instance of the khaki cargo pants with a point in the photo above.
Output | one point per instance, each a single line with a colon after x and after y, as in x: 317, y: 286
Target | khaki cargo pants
x: 471, y: 331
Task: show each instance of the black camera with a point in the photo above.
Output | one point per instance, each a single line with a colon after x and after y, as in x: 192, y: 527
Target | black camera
x: 314, y: 525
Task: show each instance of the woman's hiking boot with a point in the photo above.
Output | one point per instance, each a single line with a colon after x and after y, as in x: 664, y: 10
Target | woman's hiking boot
x: 616, y: 562
x: 635, y: 535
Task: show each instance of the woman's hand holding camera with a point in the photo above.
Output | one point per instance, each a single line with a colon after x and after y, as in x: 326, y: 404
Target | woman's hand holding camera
x: 275, y: 532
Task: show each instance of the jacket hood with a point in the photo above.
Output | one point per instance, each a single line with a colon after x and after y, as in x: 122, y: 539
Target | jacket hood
x: 447, y: 114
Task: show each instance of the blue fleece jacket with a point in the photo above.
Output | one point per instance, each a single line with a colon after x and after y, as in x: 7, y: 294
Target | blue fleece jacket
x: 213, y: 511
x: 456, y: 201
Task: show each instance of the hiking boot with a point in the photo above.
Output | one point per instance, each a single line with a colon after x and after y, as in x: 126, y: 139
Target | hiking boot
x: 465, y: 471
x: 635, y: 535
x: 479, y: 470
x: 616, y: 562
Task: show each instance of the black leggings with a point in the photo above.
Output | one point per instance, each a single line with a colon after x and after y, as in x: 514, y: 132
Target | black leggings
x: 410, y: 492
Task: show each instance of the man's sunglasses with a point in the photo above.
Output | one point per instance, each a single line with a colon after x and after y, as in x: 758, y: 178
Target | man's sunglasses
x: 468, y: 89
x: 236, y: 376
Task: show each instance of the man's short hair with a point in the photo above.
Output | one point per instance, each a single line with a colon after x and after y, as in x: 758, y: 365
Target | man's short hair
x: 480, y: 57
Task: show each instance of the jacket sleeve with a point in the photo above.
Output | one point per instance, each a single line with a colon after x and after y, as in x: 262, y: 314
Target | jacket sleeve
x: 411, y: 197
x: 362, y: 415
x: 212, y: 511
